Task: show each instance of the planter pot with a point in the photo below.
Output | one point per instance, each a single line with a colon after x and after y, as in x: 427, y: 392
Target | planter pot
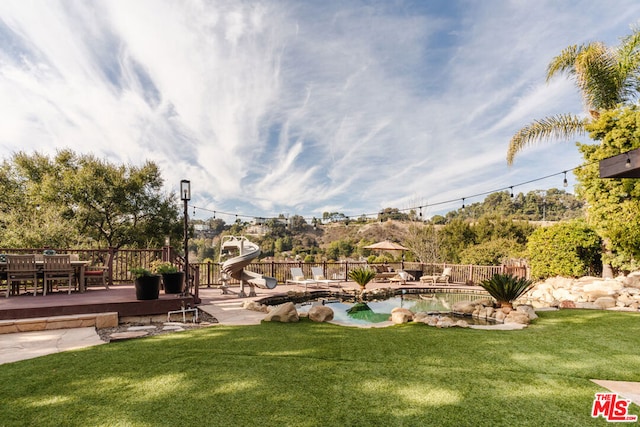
x: 173, y: 282
x: 147, y: 287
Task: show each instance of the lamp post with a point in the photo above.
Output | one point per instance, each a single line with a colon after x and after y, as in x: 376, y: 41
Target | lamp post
x: 185, y: 195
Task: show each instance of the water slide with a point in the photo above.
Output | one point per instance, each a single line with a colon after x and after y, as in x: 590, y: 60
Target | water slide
x: 234, y: 267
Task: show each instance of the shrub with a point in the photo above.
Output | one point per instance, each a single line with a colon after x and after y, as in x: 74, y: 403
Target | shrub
x: 506, y: 288
x: 570, y: 249
x: 164, y: 268
x: 362, y: 276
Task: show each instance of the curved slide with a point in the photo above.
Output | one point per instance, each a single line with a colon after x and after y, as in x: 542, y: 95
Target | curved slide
x: 234, y: 267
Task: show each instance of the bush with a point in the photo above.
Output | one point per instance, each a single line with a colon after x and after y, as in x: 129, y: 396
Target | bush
x: 492, y: 252
x: 570, y: 249
x: 506, y: 288
x: 362, y: 276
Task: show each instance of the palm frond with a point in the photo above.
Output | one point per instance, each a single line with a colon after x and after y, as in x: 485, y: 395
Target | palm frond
x: 598, y: 77
x: 560, y: 127
x: 564, y: 62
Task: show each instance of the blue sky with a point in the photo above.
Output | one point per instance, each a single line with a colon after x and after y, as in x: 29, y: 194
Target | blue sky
x: 300, y: 107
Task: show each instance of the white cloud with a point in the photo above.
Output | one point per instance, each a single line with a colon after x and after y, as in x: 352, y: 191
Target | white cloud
x: 282, y: 106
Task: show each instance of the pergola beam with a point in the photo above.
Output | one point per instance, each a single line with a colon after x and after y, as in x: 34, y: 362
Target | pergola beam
x: 625, y: 165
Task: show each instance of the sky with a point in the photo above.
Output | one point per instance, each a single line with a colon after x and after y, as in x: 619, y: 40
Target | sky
x: 301, y: 107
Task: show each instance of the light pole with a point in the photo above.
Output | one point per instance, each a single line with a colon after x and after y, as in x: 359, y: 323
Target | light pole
x: 185, y: 195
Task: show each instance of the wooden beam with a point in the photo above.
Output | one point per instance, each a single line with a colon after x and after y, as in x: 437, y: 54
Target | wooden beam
x: 618, y: 167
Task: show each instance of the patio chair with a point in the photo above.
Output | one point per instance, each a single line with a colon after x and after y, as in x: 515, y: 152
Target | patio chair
x: 438, y: 278
x: 402, y: 277
x: 297, y: 278
x: 21, y: 269
x: 98, y: 273
x: 318, y: 276
x: 57, y: 268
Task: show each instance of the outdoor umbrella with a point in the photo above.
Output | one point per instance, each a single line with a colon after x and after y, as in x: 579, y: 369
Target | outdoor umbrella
x: 387, y: 245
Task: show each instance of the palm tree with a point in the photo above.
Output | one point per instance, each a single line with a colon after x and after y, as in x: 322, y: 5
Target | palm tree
x: 605, y: 76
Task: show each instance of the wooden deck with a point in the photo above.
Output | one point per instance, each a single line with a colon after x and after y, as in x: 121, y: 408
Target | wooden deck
x: 119, y: 298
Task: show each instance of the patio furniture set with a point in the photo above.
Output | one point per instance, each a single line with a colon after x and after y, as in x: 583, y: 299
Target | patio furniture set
x: 44, y: 271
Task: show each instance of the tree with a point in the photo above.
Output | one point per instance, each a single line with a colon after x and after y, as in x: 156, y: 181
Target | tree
x: 605, y: 77
x: 423, y: 243
x: 88, y: 199
x: 569, y: 249
x: 613, y: 204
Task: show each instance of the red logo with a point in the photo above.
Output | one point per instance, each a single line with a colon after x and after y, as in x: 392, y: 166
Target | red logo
x: 612, y: 408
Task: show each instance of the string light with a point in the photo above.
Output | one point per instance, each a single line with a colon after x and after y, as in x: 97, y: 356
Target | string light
x: 445, y: 202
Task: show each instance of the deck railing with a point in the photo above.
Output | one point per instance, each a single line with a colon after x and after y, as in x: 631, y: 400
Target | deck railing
x: 208, y: 274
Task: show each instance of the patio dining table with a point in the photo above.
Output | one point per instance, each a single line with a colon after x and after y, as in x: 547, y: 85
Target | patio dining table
x: 78, y: 266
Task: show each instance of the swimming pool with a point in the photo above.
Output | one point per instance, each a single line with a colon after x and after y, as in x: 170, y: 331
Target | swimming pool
x: 349, y: 312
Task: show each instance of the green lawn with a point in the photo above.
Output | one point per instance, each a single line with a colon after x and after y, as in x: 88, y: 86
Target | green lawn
x: 310, y: 374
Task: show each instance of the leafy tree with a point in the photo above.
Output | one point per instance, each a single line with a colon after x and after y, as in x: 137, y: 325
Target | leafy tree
x: 392, y: 213
x: 492, y: 252
x: 454, y: 237
x: 297, y: 224
x: 91, y: 200
x: 569, y: 249
x: 613, y: 204
x: 604, y: 75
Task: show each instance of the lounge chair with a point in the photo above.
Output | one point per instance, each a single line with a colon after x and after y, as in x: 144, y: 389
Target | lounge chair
x: 438, y: 278
x: 297, y: 278
x: 402, y: 277
x: 318, y: 276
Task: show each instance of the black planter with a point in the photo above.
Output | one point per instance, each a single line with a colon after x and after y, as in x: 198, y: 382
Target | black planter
x: 173, y: 282
x: 147, y: 287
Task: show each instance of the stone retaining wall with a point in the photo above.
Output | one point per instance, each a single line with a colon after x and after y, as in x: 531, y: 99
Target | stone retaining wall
x: 620, y: 293
x: 99, y: 320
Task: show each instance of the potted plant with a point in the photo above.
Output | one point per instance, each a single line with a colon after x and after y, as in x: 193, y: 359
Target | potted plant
x: 362, y: 276
x: 506, y: 288
x: 172, y: 279
x: 147, y: 284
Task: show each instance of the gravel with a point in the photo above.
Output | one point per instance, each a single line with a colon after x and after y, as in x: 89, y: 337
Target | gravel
x: 159, y: 328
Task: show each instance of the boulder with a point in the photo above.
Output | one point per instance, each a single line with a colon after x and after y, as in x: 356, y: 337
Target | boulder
x: 466, y: 307
x: 320, y: 313
x: 528, y: 310
x: 605, y: 302
x: 401, y: 315
x: 421, y: 316
x: 567, y: 304
x: 283, y: 313
x: 499, y: 316
x: 517, y: 317
x: 445, y: 322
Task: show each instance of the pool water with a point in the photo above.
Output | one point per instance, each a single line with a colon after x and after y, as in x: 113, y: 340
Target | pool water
x: 379, y: 311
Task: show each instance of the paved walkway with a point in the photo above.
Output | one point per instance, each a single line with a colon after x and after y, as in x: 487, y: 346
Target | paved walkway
x: 27, y: 345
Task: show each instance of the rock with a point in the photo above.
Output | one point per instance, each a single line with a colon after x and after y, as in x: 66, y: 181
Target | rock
x: 605, y: 302
x: 320, y: 313
x: 284, y: 313
x: 421, y: 317
x: 517, y: 317
x: 401, y: 315
x: 466, y: 307
x: 462, y: 323
x: 255, y: 306
x: 528, y: 310
x: 445, y: 322
x: 567, y: 304
x: 499, y: 316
